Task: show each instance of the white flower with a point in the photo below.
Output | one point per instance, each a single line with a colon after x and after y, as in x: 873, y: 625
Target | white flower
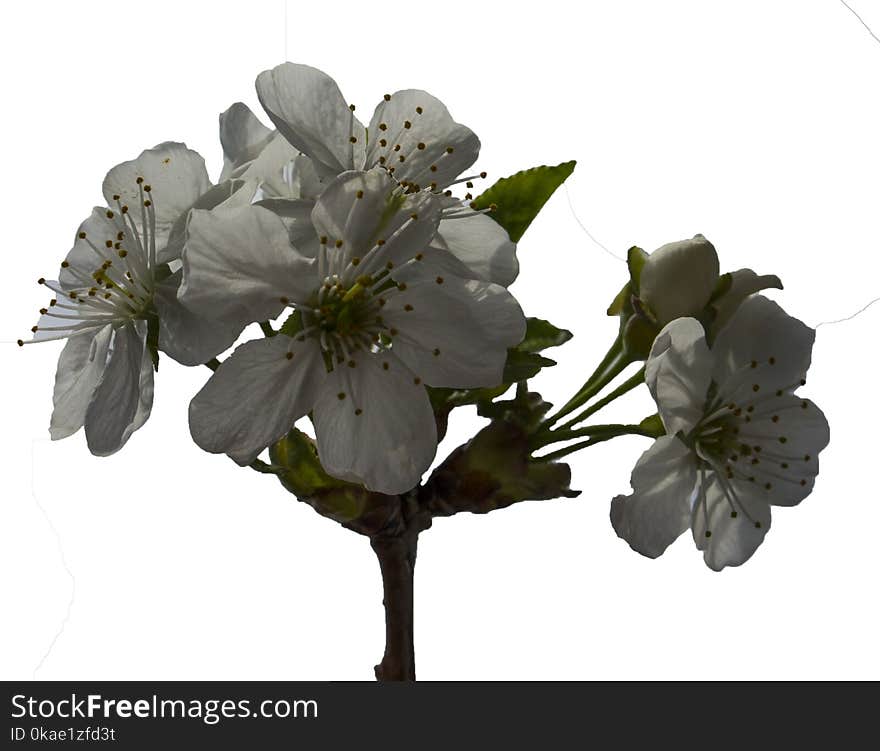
x: 116, y: 298
x: 738, y: 437
x: 382, y: 316
x: 411, y: 134
x: 680, y: 279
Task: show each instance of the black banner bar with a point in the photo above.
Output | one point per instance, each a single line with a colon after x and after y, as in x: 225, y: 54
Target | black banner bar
x: 150, y: 715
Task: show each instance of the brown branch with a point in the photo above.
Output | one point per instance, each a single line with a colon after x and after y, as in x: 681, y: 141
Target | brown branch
x: 397, y: 560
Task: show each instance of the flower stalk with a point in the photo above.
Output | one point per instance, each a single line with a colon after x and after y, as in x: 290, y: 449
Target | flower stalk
x: 612, y: 365
x: 635, y: 380
x: 595, y: 434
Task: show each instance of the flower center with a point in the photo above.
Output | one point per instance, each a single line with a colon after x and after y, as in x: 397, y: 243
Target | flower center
x: 115, y: 281
x: 743, y: 436
x: 347, y: 319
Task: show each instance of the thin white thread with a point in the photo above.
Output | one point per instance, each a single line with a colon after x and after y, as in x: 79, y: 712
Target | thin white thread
x: 285, y: 30
x: 61, y: 554
x: 861, y: 20
x: 849, y: 318
x: 586, y: 231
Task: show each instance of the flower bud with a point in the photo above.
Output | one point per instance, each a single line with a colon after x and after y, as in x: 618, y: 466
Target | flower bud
x: 678, y: 279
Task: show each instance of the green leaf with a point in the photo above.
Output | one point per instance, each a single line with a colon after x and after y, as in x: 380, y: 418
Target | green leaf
x: 295, y: 462
x: 303, y: 474
x: 525, y: 410
x: 521, y: 366
x: 494, y: 470
x: 541, y: 334
x: 519, y: 198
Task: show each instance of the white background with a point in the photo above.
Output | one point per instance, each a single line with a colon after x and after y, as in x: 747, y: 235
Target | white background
x: 754, y: 123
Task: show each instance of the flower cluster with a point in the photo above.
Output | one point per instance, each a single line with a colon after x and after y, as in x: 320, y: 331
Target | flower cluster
x: 392, y: 305
x: 360, y: 243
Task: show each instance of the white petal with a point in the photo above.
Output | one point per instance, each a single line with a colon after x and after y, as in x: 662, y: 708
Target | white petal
x: 296, y: 214
x: 762, y: 349
x: 430, y: 264
x: 309, y: 110
x: 283, y: 172
x: 146, y: 387
x: 381, y: 430
x: 124, y: 397
x: 678, y: 373
x: 238, y: 264
x: 454, y: 332
x: 743, y: 283
x: 658, y: 510
x: 176, y: 176
x: 255, y: 396
x: 735, y: 530
x: 235, y: 192
x: 79, y: 371
x: 483, y: 245
x: 783, y: 435
x: 189, y: 338
x: 359, y: 209
x: 432, y: 138
x: 242, y: 137
x: 678, y: 279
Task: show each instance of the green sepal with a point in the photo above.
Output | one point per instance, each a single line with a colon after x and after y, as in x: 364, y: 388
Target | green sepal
x: 153, y: 339
x: 638, y: 337
x: 621, y: 301
x: 519, y: 198
x: 293, y: 325
x: 722, y: 286
x: 654, y: 426
x: 635, y: 261
x: 637, y: 326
